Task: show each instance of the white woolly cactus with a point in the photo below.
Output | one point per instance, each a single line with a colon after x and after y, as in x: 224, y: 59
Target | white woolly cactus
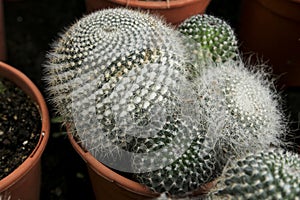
x: 241, y: 109
x: 272, y: 174
x: 104, y: 46
x: 112, y: 75
x: 209, y: 38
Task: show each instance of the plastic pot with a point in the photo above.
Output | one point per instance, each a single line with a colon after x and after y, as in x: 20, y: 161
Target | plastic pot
x: 173, y: 11
x: 271, y: 28
x: 24, y: 182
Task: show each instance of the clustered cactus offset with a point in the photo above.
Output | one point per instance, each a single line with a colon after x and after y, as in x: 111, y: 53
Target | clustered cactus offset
x: 122, y: 81
x: 241, y: 109
x: 272, y: 174
x: 209, y: 38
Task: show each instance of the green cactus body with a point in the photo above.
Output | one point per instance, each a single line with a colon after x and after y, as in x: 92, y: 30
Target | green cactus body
x: 209, y: 39
x: 241, y: 110
x: 264, y: 175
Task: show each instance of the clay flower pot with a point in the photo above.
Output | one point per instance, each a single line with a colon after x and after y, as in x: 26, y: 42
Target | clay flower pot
x: 107, y: 184
x: 174, y: 11
x: 271, y: 28
x: 24, y: 182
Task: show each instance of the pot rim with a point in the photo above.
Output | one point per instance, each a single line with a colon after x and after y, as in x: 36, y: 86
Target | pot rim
x: 168, y: 4
x: 284, y: 8
x: 109, y: 174
x: 21, y: 80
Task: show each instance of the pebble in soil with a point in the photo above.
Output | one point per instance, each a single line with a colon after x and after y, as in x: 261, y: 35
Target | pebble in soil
x: 20, y: 125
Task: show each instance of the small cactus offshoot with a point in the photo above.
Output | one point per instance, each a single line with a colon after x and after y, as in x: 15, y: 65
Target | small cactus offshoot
x: 272, y: 174
x: 209, y: 38
x: 241, y: 109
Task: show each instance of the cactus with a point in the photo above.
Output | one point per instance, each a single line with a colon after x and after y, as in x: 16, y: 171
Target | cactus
x: 118, y: 78
x: 238, y: 113
x: 272, y: 174
x: 108, y: 73
x: 208, y: 39
x: 241, y: 109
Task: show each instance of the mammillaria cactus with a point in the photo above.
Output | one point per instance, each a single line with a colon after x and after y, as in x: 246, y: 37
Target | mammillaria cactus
x: 241, y: 109
x: 208, y: 39
x: 116, y: 77
x: 272, y: 174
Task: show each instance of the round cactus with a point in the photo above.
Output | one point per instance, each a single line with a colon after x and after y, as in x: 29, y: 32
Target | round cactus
x: 264, y: 175
x: 109, y: 74
x: 208, y: 38
x: 104, y: 46
x: 241, y: 109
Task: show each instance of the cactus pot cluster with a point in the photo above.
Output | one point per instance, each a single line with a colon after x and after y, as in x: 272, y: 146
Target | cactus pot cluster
x: 174, y: 11
x: 167, y: 108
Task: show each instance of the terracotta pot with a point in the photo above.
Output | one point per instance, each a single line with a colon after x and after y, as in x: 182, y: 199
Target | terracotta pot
x: 24, y: 182
x: 108, y: 184
x: 2, y: 33
x: 174, y: 11
x: 271, y: 28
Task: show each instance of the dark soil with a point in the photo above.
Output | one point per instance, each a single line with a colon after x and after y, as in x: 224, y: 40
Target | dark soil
x: 20, y: 125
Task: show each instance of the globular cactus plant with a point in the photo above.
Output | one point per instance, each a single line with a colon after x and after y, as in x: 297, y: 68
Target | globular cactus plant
x: 209, y: 39
x: 241, y: 108
x: 272, y: 174
x: 112, y: 75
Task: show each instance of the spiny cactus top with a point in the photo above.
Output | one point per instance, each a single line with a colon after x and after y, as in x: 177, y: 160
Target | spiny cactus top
x: 209, y: 37
x: 264, y: 175
x: 103, y: 46
x: 241, y: 108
